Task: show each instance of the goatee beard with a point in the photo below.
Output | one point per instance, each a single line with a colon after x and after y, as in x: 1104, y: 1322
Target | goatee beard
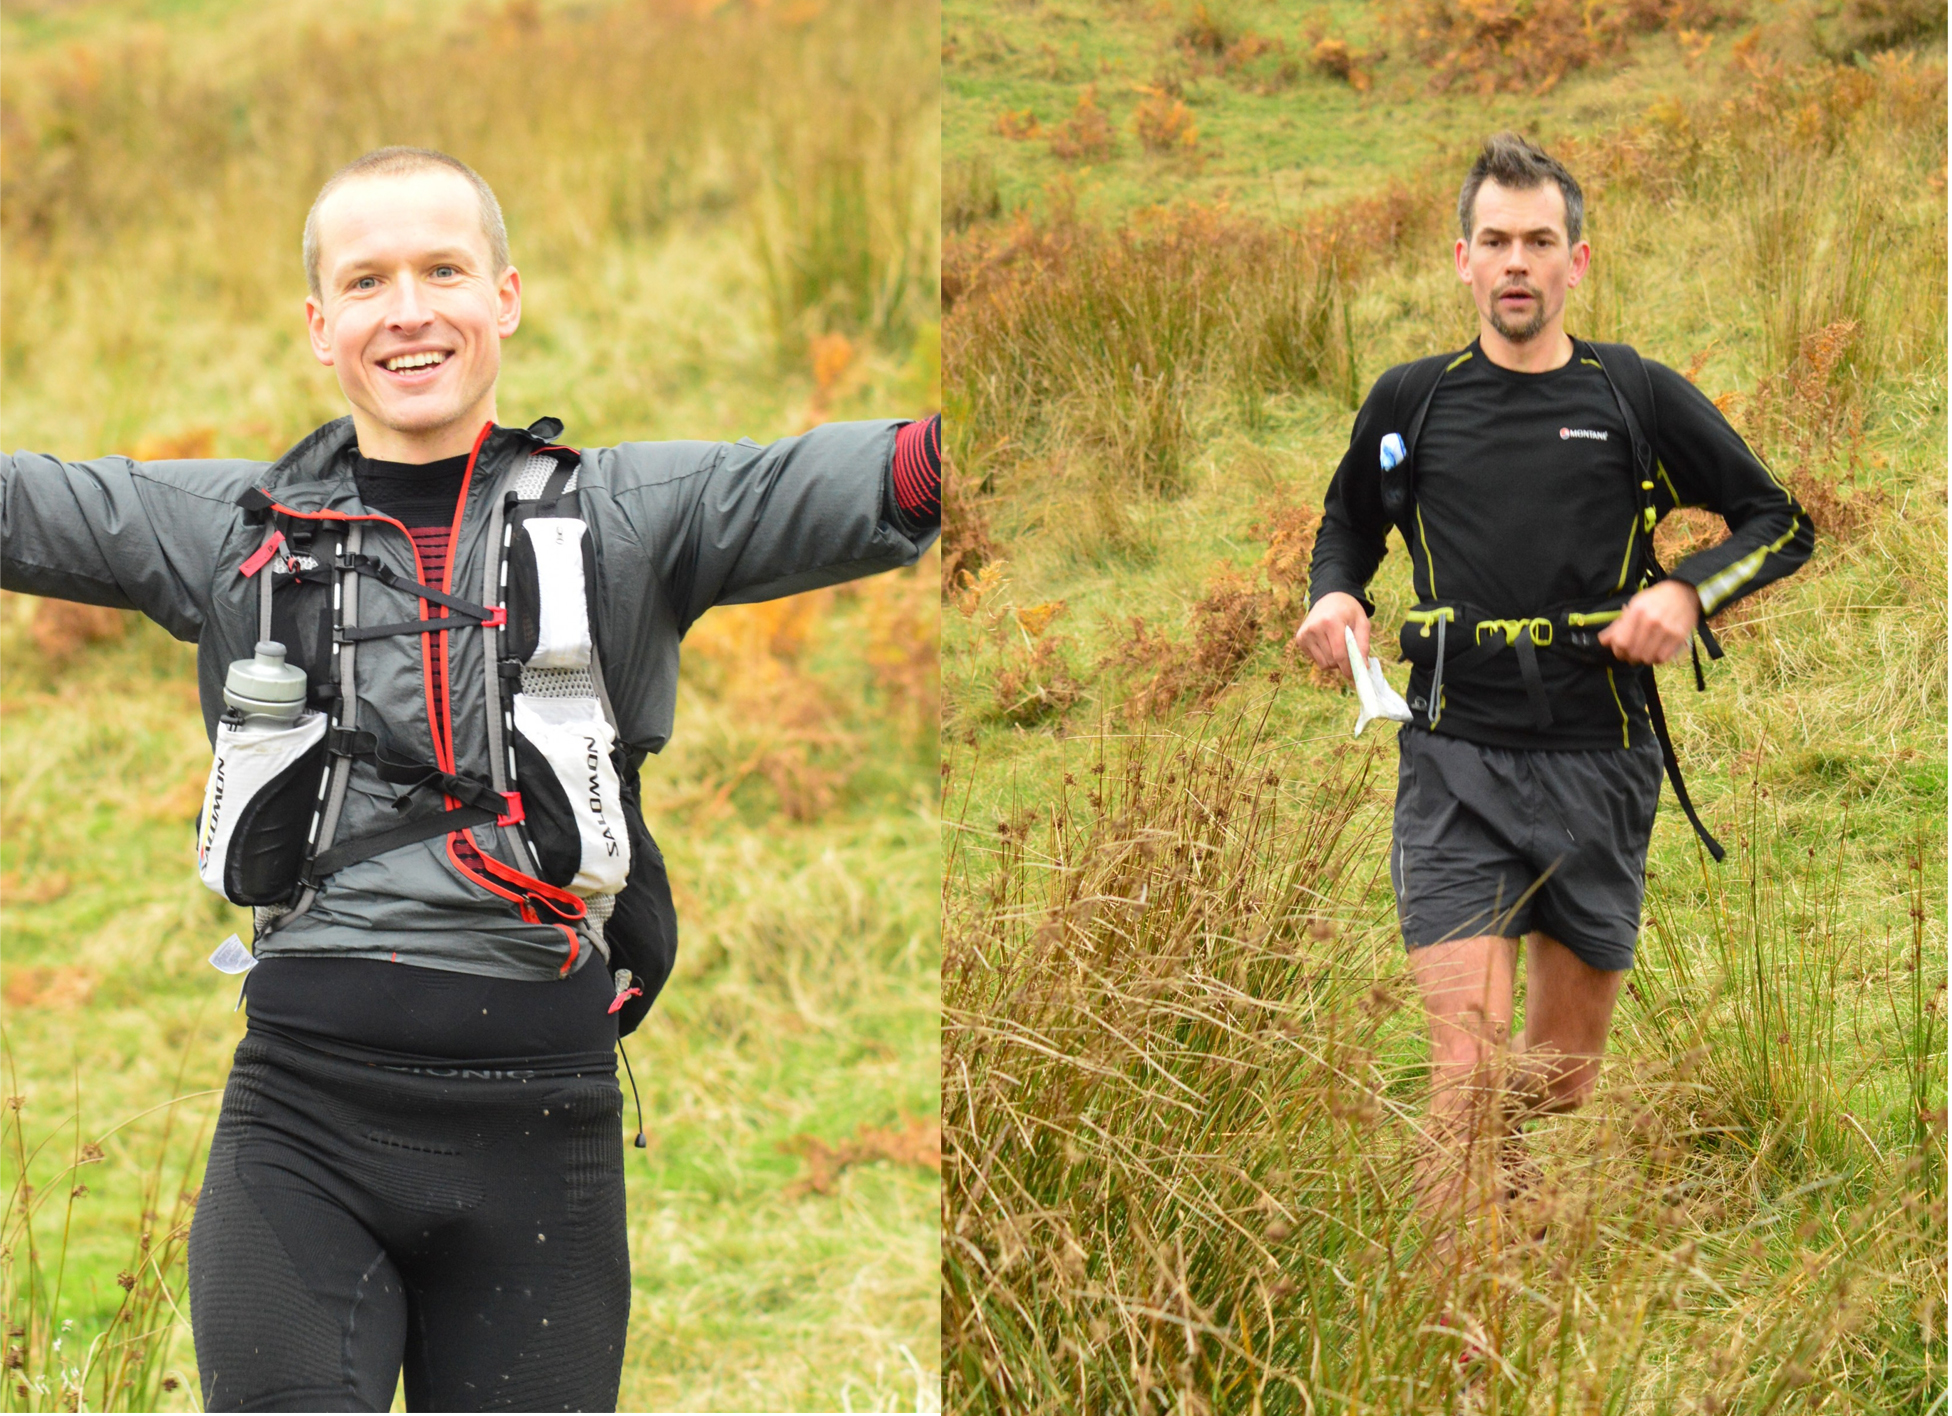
x: 1519, y: 334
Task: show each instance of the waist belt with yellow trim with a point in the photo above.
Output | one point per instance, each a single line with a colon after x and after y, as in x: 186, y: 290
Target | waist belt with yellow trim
x: 1481, y: 638
x: 1458, y: 640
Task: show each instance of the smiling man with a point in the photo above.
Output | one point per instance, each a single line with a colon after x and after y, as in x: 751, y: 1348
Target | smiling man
x: 1526, y: 475
x: 410, y: 301
x: 428, y: 791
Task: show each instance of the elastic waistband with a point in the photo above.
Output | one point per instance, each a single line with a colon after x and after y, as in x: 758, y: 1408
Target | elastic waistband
x: 325, y: 1056
x: 369, y: 1010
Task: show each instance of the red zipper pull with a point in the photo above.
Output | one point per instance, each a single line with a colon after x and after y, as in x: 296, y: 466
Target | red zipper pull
x: 262, y: 554
x: 625, y: 989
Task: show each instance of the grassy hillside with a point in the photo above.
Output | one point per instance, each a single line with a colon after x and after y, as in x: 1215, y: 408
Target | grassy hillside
x: 726, y: 225
x: 1281, y: 124
x: 1183, y: 1054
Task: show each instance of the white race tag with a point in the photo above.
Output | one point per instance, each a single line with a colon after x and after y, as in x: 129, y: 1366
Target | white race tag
x: 232, y: 957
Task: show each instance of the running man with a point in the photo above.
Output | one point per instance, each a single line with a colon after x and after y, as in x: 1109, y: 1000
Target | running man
x: 1526, y: 474
x: 434, y: 803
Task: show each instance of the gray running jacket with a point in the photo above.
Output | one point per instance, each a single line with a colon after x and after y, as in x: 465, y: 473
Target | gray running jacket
x: 676, y: 528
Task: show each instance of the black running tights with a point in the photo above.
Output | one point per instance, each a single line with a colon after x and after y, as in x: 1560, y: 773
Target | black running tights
x: 358, y: 1219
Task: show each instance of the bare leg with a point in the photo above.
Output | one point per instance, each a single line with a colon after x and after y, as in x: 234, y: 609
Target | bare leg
x: 1467, y: 998
x: 1568, y: 1011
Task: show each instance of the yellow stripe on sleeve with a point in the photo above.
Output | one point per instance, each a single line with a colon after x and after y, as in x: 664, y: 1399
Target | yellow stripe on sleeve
x: 1720, y: 587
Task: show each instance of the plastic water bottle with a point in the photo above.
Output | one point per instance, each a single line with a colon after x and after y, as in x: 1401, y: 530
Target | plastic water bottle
x: 265, y: 688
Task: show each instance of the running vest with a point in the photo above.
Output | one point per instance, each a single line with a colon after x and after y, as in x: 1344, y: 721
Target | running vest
x: 1460, y: 639
x: 559, y: 786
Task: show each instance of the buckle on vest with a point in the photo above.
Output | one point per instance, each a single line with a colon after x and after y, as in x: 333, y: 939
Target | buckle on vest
x: 350, y: 742
x: 514, y: 816
x: 1538, y: 628
x: 495, y: 618
x: 1443, y: 614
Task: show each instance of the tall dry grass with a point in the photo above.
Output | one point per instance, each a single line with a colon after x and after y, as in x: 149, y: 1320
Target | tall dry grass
x: 818, y: 123
x: 1182, y: 1118
x: 51, y: 1362
x: 1104, y: 343
x: 1528, y: 46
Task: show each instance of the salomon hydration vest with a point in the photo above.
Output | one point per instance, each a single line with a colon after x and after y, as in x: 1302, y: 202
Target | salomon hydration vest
x: 569, y: 848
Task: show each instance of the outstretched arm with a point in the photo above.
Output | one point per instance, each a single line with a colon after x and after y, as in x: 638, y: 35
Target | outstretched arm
x: 132, y: 535
x: 732, y: 523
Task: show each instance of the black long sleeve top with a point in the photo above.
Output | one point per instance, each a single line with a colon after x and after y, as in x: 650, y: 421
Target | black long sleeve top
x: 1526, y: 503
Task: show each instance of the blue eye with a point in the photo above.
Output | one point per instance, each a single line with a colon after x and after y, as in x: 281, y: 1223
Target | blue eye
x: 366, y: 282
x: 444, y: 272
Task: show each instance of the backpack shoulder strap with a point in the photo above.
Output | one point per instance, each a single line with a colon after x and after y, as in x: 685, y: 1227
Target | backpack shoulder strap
x: 1633, y: 389
x: 1633, y: 393
x: 1415, y: 390
x: 1409, y: 403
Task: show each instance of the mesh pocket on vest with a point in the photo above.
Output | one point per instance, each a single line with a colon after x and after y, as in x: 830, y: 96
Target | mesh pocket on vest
x: 257, y: 808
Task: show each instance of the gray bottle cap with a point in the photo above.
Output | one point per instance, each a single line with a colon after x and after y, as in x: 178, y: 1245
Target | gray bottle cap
x: 266, y: 686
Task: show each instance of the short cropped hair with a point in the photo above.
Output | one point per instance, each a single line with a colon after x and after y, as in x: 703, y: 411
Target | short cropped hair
x: 398, y: 162
x: 1523, y: 166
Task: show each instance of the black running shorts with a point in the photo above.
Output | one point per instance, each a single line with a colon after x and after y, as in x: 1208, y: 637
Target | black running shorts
x: 463, y: 1221
x: 1495, y: 840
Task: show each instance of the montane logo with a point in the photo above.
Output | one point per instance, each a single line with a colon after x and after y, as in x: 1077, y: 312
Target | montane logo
x: 1597, y: 435
x: 592, y: 757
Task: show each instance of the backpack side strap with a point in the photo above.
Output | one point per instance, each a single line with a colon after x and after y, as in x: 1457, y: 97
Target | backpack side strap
x: 1634, y: 392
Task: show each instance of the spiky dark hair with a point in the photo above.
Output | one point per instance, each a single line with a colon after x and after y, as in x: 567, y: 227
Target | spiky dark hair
x: 1522, y: 165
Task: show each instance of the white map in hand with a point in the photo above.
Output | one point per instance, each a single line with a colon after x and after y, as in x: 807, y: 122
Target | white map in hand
x: 1377, y: 698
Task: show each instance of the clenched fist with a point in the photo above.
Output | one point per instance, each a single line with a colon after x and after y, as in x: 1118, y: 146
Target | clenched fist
x: 1656, y: 624
x: 1320, y: 635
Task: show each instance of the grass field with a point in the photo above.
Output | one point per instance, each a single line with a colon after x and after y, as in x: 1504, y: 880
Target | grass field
x: 1182, y: 1058
x: 701, y: 259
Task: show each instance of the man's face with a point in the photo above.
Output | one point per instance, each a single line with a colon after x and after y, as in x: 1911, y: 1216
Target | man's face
x: 1518, y: 262
x: 411, y: 311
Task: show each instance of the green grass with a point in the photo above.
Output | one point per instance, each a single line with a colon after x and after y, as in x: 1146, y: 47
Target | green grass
x: 805, y: 1001
x: 1266, y: 145
x: 1755, y: 1203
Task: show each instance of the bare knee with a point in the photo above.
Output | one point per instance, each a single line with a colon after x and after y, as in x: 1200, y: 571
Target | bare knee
x: 1570, y: 1089
x: 1550, y: 1085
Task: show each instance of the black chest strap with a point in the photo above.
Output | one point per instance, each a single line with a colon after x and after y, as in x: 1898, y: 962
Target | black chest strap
x: 467, y: 611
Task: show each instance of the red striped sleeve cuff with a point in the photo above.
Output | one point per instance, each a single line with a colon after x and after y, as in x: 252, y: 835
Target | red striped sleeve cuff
x: 918, y: 470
